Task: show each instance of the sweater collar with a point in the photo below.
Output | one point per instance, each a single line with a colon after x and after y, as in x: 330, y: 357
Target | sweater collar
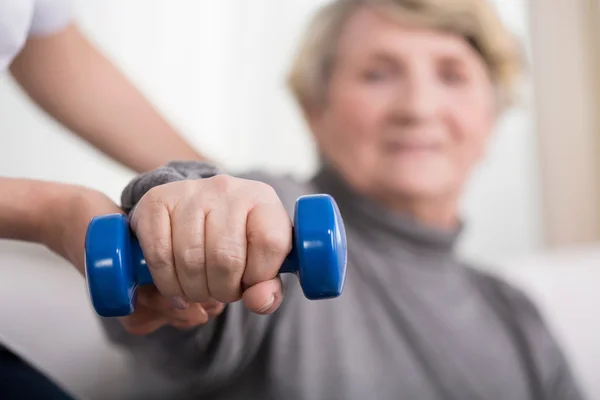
x: 382, y: 224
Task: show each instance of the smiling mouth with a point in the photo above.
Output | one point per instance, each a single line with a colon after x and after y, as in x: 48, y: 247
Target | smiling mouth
x: 411, y: 147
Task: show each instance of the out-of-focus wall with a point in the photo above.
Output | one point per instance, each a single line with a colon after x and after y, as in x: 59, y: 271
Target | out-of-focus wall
x: 565, y: 39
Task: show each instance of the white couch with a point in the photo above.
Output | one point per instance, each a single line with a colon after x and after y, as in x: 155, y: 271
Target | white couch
x: 565, y: 285
x: 46, y: 316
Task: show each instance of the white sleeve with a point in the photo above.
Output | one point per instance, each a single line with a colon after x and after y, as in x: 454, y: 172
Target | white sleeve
x: 50, y: 16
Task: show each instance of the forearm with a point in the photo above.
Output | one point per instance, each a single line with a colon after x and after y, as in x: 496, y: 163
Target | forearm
x: 83, y: 90
x: 24, y: 205
x: 52, y: 214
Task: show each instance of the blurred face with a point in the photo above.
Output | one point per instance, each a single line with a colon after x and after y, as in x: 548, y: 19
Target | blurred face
x: 408, y: 111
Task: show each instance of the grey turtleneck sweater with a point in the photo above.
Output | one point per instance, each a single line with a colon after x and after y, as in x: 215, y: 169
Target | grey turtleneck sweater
x: 413, y: 322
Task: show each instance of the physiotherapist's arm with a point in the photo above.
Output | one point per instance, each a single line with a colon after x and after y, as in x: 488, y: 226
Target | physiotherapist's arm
x: 56, y: 215
x: 78, y: 86
x: 53, y: 214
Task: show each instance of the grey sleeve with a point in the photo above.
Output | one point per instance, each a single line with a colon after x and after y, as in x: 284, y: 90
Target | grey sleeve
x: 554, y: 370
x: 171, y: 362
x: 206, y: 357
x: 172, y: 172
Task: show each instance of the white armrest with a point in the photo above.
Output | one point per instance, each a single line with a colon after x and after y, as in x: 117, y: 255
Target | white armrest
x: 565, y: 285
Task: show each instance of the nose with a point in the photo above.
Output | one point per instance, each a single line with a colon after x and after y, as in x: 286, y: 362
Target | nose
x: 417, y: 98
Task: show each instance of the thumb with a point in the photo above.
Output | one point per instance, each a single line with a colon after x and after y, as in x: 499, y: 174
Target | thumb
x: 264, y: 297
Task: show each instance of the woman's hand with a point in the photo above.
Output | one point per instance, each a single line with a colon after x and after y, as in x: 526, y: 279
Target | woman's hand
x: 64, y: 232
x: 216, y: 239
x: 154, y: 311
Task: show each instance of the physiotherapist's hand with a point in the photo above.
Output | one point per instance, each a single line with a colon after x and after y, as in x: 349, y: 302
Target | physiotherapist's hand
x: 217, y: 239
x: 64, y: 232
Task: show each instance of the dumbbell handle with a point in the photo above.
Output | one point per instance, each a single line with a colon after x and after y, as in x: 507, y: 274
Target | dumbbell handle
x: 144, y: 277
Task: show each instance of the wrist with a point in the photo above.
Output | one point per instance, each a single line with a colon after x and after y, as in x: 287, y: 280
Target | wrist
x: 24, y: 211
x: 57, y: 209
x: 69, y: 210
x: 172, y: 172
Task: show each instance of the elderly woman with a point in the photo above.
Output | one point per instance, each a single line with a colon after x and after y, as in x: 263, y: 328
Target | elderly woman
x: 401, y: 97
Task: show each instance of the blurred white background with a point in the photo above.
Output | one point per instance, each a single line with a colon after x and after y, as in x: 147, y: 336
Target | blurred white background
x: 216, y: 70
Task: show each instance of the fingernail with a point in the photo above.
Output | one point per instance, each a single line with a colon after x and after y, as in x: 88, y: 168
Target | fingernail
x: 204, y: 313
x: 268, y: 304
x: 179, y: 302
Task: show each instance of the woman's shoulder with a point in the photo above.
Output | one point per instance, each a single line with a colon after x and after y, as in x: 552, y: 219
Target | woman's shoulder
x: 509, y: 297
x: 497, y: 286
x: 549, y: 365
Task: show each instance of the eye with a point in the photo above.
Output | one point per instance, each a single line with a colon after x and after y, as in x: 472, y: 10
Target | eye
x: 375, y: 75
x: 452, y: 77
x: 452, y: 74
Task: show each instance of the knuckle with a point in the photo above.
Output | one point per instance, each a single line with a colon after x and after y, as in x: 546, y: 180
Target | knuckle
x: 272, y: 241
x: 192, y: 260
x: 165, y: 196
x: 159, y: 253
x: 222, y: 182
x: 153, y: 197
x: 265, y: 189
x: 188, y: 186
x: 149, y: 208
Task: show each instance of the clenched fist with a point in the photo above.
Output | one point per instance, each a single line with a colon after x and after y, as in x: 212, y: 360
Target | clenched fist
x: 218, y: 239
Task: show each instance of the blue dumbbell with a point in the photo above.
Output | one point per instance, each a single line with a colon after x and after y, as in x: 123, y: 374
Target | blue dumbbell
x: 116, y: 268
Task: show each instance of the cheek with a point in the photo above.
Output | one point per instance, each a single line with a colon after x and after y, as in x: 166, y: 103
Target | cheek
x: 352, y: 118
x: 357, y: 111
x: 473, y: 119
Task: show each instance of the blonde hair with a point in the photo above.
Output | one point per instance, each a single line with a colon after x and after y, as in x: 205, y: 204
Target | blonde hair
x: 475, y: 20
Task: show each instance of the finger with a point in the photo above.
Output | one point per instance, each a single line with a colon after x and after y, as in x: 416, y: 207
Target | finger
x: 182, y: 325
x: 264, y: 297
x: 143, y: 321
x: 210, y: 304
x: 269, y: 233
x: 188, y: 250
x: 188, y: 323
x: 153, y: 300
x: 151, y: 223
x: 226, y: 243
x: 213, y: 309
x: 150, y: 297
x: 193, y: 316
